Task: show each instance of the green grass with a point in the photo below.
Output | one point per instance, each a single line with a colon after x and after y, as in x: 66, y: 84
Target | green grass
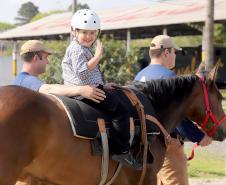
x: 223, y: 92
x: 206, y: 164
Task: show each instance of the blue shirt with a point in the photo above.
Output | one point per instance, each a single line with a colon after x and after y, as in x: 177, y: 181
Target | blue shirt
x: 186, y: 128
x: 154, y: 71
x: 26, y: 80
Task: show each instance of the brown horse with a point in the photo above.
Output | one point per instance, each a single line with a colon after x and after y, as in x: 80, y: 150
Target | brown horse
x: 36, y: 137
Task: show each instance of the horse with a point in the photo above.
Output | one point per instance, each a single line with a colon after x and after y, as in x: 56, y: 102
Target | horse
x: 36, y: 137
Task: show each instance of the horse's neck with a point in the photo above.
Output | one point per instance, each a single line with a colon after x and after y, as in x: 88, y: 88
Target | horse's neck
x: 170, y: 98
x: 175, y: 113
x: 169, y: 119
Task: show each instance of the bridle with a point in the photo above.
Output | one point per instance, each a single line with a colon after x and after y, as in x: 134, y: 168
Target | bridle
x: 209, y: 113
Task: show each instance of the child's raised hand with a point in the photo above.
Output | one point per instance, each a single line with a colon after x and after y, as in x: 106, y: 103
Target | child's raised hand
x: 99, y: 49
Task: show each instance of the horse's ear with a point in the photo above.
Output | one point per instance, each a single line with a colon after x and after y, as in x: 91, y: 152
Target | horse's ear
x: 201, y: 68
x: 213, y: 72
x: 201, y: 72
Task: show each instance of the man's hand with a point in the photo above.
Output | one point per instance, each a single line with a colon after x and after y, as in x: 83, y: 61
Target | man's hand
x: 93, y: 93
x: 109, y: 86
x: 206, y: 140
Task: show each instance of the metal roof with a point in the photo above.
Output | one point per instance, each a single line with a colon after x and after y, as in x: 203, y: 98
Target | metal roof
x: 143, y: 21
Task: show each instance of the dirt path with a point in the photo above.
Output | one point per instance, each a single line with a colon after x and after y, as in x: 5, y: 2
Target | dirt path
x: 207, y: 181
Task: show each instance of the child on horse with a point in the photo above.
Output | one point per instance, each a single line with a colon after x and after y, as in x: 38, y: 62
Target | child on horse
x: 81, y: 67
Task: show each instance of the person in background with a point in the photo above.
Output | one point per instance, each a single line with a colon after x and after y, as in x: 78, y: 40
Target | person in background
x: 35, y: 59
x: 174, y: 169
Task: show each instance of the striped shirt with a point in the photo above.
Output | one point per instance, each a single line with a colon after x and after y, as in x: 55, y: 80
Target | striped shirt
x: 74, y: 66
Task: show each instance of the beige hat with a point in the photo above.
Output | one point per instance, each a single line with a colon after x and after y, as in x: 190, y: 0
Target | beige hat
x: 33, y: 46
x: 163, y: 41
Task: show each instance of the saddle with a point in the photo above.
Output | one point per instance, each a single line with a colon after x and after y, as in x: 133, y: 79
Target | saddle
x: 83, y: 117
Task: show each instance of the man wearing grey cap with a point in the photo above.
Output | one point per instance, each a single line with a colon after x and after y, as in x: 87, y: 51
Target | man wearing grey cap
x: 174, y: 169
x: 35, y: 58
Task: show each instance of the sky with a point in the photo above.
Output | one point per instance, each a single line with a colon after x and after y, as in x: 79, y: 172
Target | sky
x: 9, y: 8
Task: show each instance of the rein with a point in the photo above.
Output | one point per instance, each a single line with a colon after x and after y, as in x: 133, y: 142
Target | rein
x: 164, y: 131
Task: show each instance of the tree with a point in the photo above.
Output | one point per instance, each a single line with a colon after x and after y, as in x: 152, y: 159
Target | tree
x: 53, y: 72
x: 219, y: 34
x: 5, y: 26
x: 116, y: 65
x: 79, y: 6
x: 45, y: 14
x: 26, y: 12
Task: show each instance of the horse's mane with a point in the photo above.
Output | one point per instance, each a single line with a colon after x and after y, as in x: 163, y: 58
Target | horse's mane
x: 163, y: 92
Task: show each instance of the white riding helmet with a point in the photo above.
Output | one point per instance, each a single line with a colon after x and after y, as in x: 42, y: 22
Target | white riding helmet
x: 85, y: 19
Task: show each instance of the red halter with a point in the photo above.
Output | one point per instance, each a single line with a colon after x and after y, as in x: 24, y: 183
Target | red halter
x: 209, y: 113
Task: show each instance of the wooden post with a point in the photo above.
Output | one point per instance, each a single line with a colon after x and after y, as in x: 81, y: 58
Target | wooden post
x: 74, y: 6
x: 164, y: 31
x: 203, y: 58
x: 14, y: 59
x: 209, y: 25
x: 73, y: 10
x: 128, y: 39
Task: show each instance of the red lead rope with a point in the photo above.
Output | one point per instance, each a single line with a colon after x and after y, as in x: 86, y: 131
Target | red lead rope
x: 209, y: 114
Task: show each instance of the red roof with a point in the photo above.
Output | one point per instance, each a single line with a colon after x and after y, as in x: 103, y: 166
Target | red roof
x: 159, y: 15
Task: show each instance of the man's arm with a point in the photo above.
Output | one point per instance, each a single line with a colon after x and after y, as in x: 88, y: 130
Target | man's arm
x: 89, y: 92
x: 189, y: 130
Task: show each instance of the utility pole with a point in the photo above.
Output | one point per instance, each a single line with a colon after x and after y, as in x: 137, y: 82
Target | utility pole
x: 73, y: 10
x: 208, y: 35
x: 74, y: 6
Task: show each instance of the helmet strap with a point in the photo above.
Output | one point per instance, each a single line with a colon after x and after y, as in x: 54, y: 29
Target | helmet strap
x: 98, y: 35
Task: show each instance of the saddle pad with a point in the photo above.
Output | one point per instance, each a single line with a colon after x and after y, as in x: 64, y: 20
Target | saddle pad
x: 83, y: 117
